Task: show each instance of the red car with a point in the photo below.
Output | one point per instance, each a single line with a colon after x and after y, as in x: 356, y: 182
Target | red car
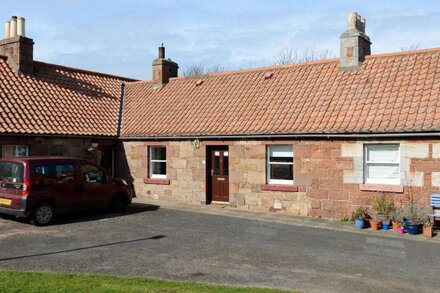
x: 40, y: 187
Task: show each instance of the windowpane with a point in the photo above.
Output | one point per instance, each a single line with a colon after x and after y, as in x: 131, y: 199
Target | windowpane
x: 42, y: 170
x: 21, y: 151
x: 9, y: 151
x: 92, y: 174
x: 225, y: 163
x: 65, y: 173
x: 281, y: 172
x: 216, y: 164
x: 157, y: 162
x: 383, y: 171
x: 12, y: 172
x: 158, y: 153
x: 159, y: 168
x: 280, y: 151
x: 382, y: 164
x: 383, y: 153
x: 280, y: 164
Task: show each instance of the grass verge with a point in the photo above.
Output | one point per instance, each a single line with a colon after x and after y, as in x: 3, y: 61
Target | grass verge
x: 12, y: 281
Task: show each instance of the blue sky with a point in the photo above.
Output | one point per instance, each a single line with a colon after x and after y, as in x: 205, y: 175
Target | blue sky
x: 121, y: 37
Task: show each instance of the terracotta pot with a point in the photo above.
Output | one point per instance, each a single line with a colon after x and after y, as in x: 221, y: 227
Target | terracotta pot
x: 394, y: 225
x: 427, y: 232
x: 374, y: 225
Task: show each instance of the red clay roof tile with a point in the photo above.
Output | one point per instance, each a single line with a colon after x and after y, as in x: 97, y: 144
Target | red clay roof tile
x: 397, y: 92
x: 59, y: 100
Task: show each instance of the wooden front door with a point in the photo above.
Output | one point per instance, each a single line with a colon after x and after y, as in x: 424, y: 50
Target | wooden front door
x: 220, y: 175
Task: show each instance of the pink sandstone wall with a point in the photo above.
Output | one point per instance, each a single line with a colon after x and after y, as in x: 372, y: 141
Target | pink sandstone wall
x: 328, y: 175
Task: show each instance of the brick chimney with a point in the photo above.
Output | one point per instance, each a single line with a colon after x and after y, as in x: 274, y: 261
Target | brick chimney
x: 163, y: 69
x: 18, y: 48
x: 355, y: 44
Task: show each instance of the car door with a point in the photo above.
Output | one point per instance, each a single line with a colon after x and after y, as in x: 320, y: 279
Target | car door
x: 61, y: 183
x: 95, y: 192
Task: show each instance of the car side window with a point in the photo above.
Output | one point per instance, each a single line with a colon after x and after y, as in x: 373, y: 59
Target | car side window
x: 65, y: 173
x: 42, y: 170
x: 92, y: 174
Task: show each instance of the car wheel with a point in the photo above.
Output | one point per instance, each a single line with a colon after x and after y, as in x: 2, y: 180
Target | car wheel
x: 119, y: 203
x: 43, y: 214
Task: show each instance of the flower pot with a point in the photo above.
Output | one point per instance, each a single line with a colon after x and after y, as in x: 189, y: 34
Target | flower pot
x: 413, y: 229
x: 385, y: 226
x: 400, y: 230
x: 427, y: 232
x: 359, y: 223
x: 374, y: 225
x: 394, y: 223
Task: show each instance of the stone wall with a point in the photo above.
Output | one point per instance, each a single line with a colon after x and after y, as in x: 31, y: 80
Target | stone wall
x: 62, y: 146
x: 328, y: 175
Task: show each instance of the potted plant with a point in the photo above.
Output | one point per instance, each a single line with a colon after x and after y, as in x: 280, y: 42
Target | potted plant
x: 414, y: 216
x: 360, y: 216
x: 427, y: 228
x: 397, y: 219
x: 383, y: 206
x: 399, y: 227
x: 374, y: 222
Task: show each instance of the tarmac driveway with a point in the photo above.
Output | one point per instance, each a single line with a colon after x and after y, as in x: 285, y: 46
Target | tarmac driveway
x: 171, y: 244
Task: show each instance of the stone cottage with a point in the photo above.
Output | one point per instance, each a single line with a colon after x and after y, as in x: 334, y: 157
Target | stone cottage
x: 314, y: 139
x: 48, y: 109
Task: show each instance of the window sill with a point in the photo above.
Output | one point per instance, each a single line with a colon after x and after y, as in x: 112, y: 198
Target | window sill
x: 157, y: 181
x: 381, y: 187
x: 279, y: 187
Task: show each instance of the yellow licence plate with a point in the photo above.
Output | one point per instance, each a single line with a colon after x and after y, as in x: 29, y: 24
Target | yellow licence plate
x: 5, y: 201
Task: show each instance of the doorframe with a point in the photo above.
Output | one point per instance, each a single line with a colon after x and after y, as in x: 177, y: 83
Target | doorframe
x: 208, y: 180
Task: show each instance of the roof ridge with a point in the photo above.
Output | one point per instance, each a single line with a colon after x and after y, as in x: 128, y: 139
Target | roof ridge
x: 292, y: 65
x: 86, y: 71
x: 412, y: 52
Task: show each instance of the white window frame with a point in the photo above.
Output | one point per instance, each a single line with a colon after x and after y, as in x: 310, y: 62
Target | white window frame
x: 151, y: 161
x: 367, y: 163
x: 16, y: 146
x: 268, y: 163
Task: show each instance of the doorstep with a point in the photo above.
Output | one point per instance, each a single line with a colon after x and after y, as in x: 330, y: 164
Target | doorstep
x: 224, y: 210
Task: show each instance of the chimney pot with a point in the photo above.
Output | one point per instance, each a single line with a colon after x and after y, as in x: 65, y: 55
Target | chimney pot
x: 7, y: 30
x: 161, y: 51
x: 20, y: 26
x: 13, y: 27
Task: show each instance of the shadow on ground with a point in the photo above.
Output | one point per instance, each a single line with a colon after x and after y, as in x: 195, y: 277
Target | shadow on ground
x: 93, y: 215
x: 156, y: 237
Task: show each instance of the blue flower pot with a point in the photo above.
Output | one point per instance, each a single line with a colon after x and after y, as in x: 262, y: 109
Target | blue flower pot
x: 360, y: 223
x: 385, y: 226
x: 413, y: 229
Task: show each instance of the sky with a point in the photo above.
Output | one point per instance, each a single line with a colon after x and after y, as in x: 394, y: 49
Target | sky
x: 121, y: 37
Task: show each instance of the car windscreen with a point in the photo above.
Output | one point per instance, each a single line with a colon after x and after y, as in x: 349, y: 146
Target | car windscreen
x: 12, y: 172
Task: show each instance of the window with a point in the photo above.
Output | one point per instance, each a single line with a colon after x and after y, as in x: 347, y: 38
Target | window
x: 382, y: 164
x: 64, y: 173
x: 157, y: 162
x: 12, y: 172
x: 9, y: 151
x: 92, y: 174
x: 280, y: 164
x: 43, y: 170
